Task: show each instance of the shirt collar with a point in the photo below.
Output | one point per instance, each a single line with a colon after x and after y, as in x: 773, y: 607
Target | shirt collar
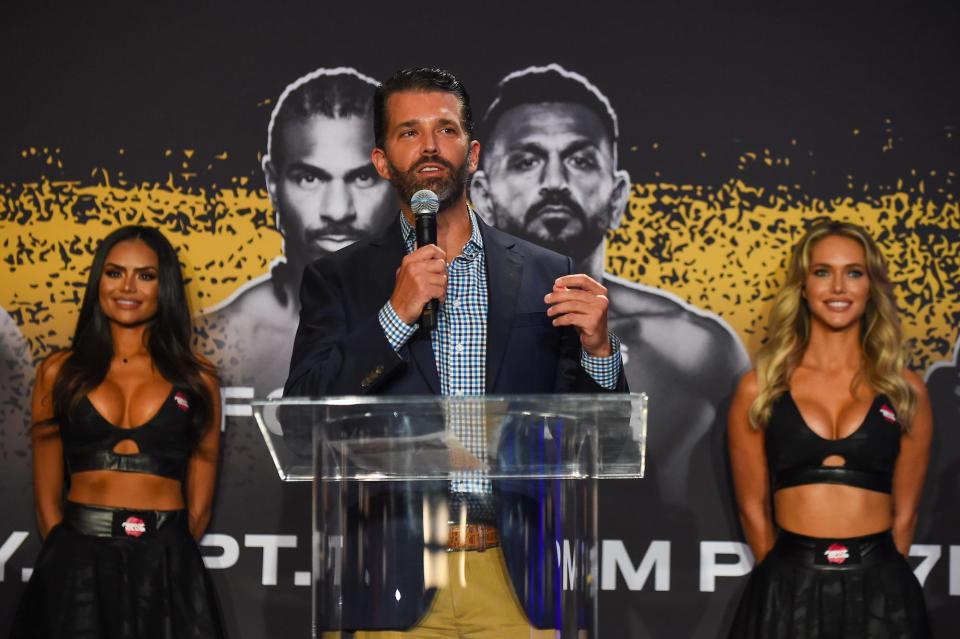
x: 470, y: 249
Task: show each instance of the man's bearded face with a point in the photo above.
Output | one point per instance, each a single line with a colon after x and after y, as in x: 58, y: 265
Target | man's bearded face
x: 327, y: 192
x: 448, y: 183
x: 550, y: 172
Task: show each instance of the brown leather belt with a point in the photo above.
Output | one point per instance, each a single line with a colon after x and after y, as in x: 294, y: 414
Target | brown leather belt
x: 472, y: 537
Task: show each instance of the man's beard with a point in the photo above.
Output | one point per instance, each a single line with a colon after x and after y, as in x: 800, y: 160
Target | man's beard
x: 559, y: 223
x: 332, y: 236
x: 448, y: 189
x: 304, y: 245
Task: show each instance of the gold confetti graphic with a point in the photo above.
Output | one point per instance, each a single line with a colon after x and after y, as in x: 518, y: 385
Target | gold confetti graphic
x: 722, y: 249
x: 725, y: 250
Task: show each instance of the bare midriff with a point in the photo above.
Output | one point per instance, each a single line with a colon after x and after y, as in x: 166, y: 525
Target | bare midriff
x: 832, y: 510
x: 125, y: 490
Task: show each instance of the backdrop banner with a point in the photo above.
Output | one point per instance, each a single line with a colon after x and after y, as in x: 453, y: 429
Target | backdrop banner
x: 676, y: 153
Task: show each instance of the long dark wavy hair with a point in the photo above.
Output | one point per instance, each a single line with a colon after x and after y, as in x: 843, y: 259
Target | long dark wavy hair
x: 168, y: 335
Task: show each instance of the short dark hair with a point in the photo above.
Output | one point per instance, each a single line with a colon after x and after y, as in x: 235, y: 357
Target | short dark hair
x: 550, y: 83
x: 418, y: 79
x: 335, y: 93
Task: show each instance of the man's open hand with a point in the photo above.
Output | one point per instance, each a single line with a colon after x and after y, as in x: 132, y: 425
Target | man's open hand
x: 580, y: 301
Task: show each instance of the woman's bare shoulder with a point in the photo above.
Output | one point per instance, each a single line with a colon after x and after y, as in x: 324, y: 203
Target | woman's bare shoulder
x: 50, y: 367
x: 208, y: 373
x: 916, y: 383
x: 748, y: 387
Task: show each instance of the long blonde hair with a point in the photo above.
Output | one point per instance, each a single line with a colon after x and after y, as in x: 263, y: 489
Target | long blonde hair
x: 884, y: 355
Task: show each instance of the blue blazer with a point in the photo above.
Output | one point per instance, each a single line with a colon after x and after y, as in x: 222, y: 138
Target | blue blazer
x: 340, y: 349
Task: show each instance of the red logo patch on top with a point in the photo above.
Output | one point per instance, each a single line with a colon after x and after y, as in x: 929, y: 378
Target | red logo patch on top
x: 888, y: 414
x: 134, y: 526
x: 181, y: 401
x: 836, y: 553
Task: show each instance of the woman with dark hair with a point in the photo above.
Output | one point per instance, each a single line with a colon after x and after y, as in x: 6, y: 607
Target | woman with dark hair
x: 838, y: 430
x: 128, y: 418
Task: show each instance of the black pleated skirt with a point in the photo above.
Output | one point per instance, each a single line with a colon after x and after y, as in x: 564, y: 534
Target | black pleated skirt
x: 812, y: 588
x: 107, y: 573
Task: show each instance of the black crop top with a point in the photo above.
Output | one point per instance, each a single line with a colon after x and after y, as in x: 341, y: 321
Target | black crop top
x: 795, y: 453
x: 164, y: 441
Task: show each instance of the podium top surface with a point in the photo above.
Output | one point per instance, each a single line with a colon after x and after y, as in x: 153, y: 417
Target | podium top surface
x: 409, y: 438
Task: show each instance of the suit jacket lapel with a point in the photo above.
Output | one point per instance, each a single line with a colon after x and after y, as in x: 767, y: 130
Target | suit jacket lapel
x: 391, y: 246
x: 387, y: 250
x: 504, y: 271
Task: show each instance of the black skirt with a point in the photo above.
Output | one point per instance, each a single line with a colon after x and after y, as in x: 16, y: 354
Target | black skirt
x: 812, y: 588
x: 106, y: 573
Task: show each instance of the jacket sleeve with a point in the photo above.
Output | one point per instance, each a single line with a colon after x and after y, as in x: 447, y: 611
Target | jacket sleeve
x: 331, y: 354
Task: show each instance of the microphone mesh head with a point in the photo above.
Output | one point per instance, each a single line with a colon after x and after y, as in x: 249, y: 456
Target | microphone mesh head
x: 425, y: 202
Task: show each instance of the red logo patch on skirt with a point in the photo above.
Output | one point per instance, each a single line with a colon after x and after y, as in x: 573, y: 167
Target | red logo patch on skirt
x: 837, y: 553
x: 134, y: 526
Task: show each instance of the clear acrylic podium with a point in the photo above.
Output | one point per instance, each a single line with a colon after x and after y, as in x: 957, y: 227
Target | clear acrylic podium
x: 392, y: 476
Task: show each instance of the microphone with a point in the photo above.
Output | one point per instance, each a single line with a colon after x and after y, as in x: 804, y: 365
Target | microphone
x: 425, y: 205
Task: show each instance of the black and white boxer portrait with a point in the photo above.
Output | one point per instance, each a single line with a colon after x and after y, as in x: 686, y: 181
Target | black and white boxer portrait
x: 326, y: 195
x: 550, y: 176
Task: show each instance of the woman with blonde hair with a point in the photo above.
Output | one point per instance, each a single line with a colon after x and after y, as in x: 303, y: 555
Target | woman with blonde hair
x: 829, y: 440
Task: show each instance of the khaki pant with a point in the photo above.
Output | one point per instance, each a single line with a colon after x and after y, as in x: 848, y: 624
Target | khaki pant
x: 478, y: 603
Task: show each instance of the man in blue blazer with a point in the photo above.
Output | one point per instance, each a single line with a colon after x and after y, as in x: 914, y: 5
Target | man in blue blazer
x: 513, y: 318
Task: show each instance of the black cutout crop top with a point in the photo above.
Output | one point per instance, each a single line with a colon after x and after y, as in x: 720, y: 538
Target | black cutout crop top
x: 164, y: 441
x: 795, y: 453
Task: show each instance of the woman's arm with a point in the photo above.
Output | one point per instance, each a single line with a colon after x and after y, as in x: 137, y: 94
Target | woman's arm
x: 202, y: 472
x: 749, y: 464
x: 911, y: 468
x: 47, y: 447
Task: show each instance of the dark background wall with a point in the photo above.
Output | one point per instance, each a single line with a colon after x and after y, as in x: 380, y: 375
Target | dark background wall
x: 695, y: 87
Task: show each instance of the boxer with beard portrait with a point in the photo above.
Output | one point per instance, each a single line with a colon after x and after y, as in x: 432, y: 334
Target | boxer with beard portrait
x: 326, y: 195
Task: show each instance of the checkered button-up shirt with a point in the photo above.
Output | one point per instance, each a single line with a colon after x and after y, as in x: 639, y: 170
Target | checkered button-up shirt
x: 460, y: 346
